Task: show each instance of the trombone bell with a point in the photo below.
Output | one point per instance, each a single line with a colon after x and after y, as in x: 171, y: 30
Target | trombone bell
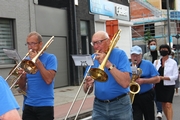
x: 98, y: 74
x: 29, y: 66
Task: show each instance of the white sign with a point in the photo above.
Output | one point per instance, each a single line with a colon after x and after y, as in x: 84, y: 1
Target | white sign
x: 82, y: 60
x: 121, y: 10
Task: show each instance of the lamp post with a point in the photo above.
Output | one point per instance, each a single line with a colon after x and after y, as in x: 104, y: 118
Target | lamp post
x: 177, y: 48
x: 168, y: 20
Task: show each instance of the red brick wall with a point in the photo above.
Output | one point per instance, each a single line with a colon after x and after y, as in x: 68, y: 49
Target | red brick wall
x: 139, y: 11
x: 139, y: 31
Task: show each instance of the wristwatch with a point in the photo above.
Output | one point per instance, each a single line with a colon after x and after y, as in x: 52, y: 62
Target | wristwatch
x: 111, y: 67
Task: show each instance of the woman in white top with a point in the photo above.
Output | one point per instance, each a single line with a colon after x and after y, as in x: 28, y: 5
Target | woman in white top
x: 168, y: 71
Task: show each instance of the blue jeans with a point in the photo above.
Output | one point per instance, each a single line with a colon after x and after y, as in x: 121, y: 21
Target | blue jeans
x: 158, y: 105
x: 116, y: 110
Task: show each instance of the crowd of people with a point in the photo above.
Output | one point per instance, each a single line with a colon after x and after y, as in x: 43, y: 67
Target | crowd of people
x: 160, y: 76
x: 157, y: 84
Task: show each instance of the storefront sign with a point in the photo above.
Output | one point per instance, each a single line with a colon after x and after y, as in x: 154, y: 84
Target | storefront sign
x: 107, y: 8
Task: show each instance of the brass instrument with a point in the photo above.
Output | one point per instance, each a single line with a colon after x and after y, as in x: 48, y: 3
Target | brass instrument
x: 29, y: 65
x: 14, y: 82
x: 134, y: 86
x: 96, y: 73
x: 14, y: 72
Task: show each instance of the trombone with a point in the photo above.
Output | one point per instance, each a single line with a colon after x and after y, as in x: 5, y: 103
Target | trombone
x: 28, y: 65
x: 15, y: 73
x: 97, y: 74
x: 16, y: 66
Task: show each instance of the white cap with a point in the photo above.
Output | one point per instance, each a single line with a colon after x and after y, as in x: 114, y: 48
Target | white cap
x: 136, y: 50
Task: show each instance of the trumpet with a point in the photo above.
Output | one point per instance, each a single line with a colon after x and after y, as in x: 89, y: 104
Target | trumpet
x: 134, y: 86
x: 28, y: 66
x: 97, y: 74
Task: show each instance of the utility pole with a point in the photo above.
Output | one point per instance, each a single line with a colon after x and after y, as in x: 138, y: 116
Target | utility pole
x: 169, y: 30
x: 177, y: 46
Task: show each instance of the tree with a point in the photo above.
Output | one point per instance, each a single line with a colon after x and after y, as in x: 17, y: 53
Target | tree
x: 147, y: 35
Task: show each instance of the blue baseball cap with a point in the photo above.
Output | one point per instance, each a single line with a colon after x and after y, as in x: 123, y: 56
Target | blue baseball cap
x: 136, y: 50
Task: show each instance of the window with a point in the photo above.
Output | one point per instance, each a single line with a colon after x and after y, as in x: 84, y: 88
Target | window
x: 149, y: 29
x: 6, y: 40
x: 171, y: 4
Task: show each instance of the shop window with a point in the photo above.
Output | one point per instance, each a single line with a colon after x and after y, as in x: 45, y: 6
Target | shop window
x: 6, y: 40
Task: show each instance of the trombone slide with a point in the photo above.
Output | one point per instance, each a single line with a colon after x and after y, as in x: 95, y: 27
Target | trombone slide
x: 73, y: 102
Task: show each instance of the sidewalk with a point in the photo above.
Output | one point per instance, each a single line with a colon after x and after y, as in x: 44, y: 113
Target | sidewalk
x: 63, y: 98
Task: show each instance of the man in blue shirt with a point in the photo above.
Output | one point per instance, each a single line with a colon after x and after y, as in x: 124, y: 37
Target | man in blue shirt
x: 111, y: 97
x: 39, y: 101
x: 8, y: 104
x: 143, y: 104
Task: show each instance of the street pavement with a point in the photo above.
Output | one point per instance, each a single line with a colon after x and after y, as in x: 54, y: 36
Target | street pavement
x: 63, y: 98
x: 65, y: 95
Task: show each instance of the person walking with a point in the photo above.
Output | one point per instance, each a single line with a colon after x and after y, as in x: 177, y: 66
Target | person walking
x: 168, y: 71
x: 152, y: 55
x: 111, y: 97
x: 143, y: 105
x: 39, y: 101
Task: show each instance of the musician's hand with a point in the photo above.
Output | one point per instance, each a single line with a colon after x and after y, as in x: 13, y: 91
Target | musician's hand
x: 100, y: 57
x: 89, y: 81
x: 32, y: 54
x: 140, y: 81
x: 21, y: 71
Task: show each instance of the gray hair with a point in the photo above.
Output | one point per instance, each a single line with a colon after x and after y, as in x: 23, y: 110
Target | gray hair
x: 36, y: 34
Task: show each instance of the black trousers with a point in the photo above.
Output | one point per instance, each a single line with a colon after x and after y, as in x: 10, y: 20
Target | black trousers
x: 143, y: 105
x: 38, y: 113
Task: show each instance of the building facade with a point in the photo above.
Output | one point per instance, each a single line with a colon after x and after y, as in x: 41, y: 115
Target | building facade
x: 150, y: 19
x: 70, y: 21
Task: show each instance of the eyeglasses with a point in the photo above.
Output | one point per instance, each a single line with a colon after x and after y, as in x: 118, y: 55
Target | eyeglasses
x: 32, y: 44
x: 98, y: 42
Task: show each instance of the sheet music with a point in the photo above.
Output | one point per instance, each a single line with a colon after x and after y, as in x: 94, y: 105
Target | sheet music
x: 82, y: 60
x: 12, y: 54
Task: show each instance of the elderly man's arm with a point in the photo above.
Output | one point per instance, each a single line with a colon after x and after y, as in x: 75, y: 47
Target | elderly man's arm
x: 11, y: 115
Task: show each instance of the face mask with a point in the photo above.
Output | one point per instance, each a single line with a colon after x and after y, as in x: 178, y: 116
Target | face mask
x: 153, y: 47
x: 170, y: 56
x: 164, y: 53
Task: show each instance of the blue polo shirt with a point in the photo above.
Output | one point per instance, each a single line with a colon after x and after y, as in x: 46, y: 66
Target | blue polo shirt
x: 111, y: 89
x: 38, y: 92
x: 148, y: 71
